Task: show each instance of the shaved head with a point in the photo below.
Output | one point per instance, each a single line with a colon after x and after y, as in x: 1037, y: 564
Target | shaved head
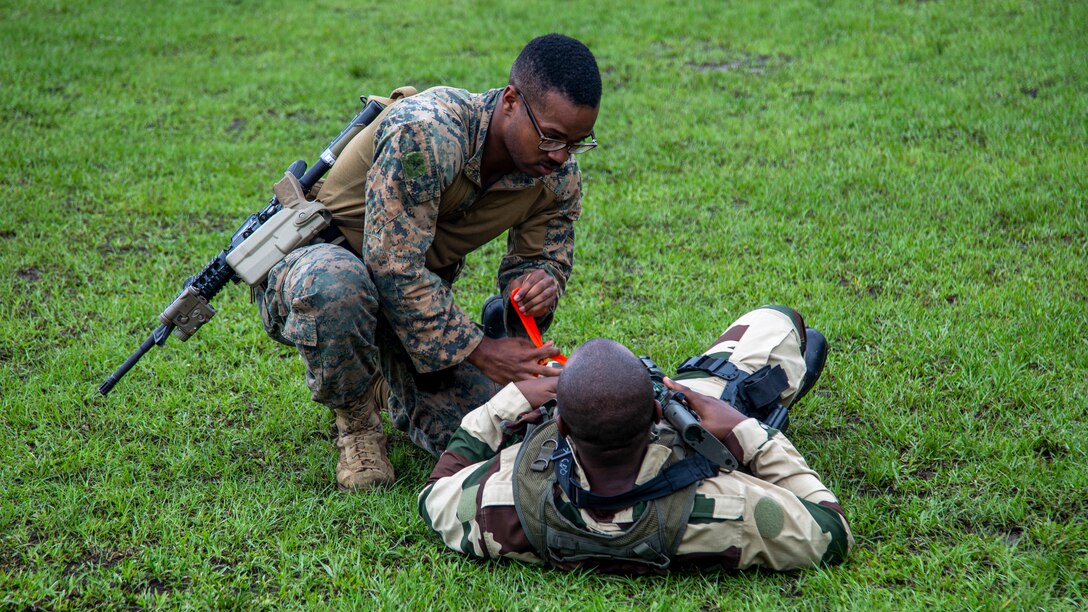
x: 605, y: 395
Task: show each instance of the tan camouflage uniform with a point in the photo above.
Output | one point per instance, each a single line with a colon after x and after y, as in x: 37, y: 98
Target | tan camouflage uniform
x: 774, y: 513
x: 416, y: 171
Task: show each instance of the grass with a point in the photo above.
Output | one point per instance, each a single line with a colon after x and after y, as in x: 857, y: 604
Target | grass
x: 909, y: 175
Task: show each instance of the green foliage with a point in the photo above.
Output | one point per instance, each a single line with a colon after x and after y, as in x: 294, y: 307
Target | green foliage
x: 910, y: 175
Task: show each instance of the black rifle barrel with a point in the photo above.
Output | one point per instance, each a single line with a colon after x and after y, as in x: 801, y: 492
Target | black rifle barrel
x: 158, y: 336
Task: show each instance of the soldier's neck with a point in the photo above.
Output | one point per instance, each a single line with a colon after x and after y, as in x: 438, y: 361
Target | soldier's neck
x: 611, y: 475
x: 495, y: 162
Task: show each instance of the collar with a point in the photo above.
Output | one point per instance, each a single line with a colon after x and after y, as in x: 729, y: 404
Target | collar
x: 652, y: 463
x: 486, y: 103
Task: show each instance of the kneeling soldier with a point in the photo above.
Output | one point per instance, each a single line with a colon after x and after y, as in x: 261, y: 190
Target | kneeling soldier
x: 436, y: 176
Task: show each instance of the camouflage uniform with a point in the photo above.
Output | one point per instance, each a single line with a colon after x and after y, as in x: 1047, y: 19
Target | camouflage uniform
x: 774, y: 512
x: 416, y: 173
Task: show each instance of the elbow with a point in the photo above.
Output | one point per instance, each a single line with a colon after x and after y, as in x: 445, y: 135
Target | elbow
x: 833, y: 529
x: 842, y: 540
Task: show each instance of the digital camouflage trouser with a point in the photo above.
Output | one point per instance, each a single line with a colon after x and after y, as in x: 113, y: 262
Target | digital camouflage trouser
x: 322, y: 301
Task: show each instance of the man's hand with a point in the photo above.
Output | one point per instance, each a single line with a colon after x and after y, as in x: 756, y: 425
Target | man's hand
x: 538, y: 293
x: 538, y: 390
x: 507, y: 360
x: 716, y: 416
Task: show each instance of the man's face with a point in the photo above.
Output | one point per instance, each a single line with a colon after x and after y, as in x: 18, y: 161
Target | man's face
x: 557, y: 119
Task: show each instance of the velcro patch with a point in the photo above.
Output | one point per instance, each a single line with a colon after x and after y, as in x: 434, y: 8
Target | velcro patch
x: 466, y: 506
x: 718, y: 507
x: 414, y: 164
x: 770, y: 517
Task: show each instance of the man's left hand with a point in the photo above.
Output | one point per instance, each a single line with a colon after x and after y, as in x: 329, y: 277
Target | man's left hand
x: 538, y: 390
x: 538, y: 293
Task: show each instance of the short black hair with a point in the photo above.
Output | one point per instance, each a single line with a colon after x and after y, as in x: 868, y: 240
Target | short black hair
x: 559, y: 63
x: 605, y: 395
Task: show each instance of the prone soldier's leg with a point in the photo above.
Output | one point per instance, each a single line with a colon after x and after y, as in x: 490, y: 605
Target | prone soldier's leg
x: 766, y: 336
x: 321, y: 300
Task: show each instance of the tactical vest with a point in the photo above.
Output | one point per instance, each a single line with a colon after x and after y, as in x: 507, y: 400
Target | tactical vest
x: 651, y: 541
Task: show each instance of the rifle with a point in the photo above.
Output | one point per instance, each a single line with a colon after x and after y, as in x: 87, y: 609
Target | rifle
x: 684, y: 420
x: 191, y: 308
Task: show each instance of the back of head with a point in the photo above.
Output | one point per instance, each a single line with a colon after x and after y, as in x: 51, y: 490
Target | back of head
x: 554, y: 62
x: 605, y: 396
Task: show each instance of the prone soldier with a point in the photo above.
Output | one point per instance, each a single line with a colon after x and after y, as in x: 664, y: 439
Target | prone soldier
x: 606, y: 484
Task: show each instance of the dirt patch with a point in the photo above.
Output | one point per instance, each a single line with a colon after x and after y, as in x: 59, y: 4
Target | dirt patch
x: 1012, y: 536
x: 31, y: 275
x: 754, y: 64
x: 98, y: 558
x: 953, y: 135
x: 1048, y: 449
x: 109, y: 248
x: 299, y: 116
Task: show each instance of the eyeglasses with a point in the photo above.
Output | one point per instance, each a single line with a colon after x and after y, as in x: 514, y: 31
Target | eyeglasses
x: 551, y: 144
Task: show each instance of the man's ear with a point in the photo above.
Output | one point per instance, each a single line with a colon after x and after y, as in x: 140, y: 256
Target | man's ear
x: 658, y: 414
x: 508, y: 99
x: 561, y: 426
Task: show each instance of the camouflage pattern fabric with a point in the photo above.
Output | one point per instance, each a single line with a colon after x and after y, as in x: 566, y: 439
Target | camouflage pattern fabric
x: 321, y: 300
x: 770, y: 335
x: 426, y: 209
x: 774, y: 513
x: 415, y: 176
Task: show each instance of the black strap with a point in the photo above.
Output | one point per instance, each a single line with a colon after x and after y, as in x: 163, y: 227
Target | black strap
x: 764, y: 386
x: 677, y: 476
x: 333, y: 235
x: 753, y: 394
x: 715, y: 366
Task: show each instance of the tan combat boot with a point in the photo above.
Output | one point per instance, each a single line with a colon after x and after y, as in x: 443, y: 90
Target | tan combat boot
x: 363, y: 460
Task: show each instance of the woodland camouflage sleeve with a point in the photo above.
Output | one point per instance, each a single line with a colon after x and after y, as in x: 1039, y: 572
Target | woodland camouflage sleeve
x: 403, y: 190
x: 546, y: 240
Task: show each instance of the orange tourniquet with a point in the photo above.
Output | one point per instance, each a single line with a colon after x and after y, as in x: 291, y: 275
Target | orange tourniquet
x: 530, y: 326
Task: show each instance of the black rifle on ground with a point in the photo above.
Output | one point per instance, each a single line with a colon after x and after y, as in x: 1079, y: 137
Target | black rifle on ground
x: 191, y: 308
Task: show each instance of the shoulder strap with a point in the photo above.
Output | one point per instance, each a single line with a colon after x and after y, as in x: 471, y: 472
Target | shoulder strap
x: 533, y: 481
x: 674, y: 478
x: 406, y: 91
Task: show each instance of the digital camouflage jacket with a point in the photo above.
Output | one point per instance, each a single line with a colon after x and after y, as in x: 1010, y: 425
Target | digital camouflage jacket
x: 415, y: 172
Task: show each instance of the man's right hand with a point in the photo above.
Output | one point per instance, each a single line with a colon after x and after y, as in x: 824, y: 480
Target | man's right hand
x: 507, y: 360
x: 716, y: 416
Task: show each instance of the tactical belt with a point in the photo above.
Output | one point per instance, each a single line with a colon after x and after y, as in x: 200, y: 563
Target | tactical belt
x: 333, y: 235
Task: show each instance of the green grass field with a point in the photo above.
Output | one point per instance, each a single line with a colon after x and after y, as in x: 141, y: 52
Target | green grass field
x: 909, y: 175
